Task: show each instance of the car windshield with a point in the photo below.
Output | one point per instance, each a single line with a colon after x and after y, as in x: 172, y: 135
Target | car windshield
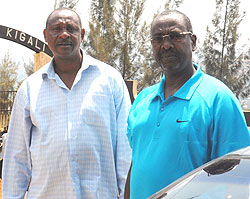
x: 226, y: 179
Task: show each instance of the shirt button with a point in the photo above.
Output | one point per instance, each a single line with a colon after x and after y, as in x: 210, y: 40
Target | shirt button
x: 162, y: 108
x: 158, y: 124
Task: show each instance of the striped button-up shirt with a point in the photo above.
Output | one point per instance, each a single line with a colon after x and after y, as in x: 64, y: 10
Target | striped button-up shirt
x: 69, y: 143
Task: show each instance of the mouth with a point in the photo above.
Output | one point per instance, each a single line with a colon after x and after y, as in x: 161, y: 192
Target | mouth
x: 167, y: 53
x: 167, y: 60
x: 168, y: 57
x: 64, y: 44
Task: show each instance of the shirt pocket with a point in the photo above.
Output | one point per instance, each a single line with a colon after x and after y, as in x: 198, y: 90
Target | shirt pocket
x: 194, y: 139
x: 95, y: 110
x: 184, y: 127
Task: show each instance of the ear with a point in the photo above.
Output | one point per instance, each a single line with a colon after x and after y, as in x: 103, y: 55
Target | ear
x: 193, y: 39
x: 82, y: 33
x: 44, y: 35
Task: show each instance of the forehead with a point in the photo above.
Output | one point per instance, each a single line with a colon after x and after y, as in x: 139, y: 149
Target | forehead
x: 166, y: 23
x: 63, y: 16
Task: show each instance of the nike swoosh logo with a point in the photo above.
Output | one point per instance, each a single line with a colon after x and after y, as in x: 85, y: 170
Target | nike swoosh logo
x: 180, y: 121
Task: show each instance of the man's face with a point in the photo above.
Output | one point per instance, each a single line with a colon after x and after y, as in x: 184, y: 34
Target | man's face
x: 174, y: 52
x: 64, y: 34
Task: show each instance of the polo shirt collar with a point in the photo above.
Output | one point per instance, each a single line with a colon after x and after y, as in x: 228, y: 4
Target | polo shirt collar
x: 187, y: 90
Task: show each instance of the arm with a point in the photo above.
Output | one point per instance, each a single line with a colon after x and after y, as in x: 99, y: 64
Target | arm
x: 127, y: 186
x: 229, y: 131
x: 17, y: 164
x: 123, y: 150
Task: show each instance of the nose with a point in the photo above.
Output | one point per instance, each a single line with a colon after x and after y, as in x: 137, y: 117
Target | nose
x: 167, y: 43
x: 64, y: 34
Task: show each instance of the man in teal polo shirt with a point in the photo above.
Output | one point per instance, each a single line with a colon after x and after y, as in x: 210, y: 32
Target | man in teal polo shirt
x: 186, y: 120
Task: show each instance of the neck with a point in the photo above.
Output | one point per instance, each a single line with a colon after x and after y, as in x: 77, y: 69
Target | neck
x: 67, y: 69
x: 175, y: 82
x: 67, y: 65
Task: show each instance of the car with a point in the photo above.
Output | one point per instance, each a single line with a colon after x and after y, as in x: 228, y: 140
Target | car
x: 227, y: 177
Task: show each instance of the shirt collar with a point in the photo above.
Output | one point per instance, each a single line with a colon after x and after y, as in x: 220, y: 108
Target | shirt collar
x: 49, y: 72
x: 187, y: 90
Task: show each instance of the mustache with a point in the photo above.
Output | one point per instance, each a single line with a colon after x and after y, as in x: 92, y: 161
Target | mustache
x: 170, y: 51
x: 64, y: 42
x: 165, y: 53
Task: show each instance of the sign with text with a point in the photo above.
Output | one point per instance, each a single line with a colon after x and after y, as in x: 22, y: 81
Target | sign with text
x: 24, y: 39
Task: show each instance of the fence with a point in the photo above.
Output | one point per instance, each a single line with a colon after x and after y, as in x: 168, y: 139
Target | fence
x: 6, y: 102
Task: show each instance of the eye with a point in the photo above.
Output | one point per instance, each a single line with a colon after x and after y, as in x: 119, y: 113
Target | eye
x: 175, y: 36
x: 158, y: 39
x: 71, y: 29
x: 56, y: 28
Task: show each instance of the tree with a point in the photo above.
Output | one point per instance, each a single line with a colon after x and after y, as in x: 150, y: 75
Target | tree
x: 29, y: 67
x: 66, y: 4
x: 8, y: 73
x: 173, y: 4
x: 131, y: 36
x: 102, y: 31
x: 221, y: 58
x: 8, y: 76
x: 116, y: 36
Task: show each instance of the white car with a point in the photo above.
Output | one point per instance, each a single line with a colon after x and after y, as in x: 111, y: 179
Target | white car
x: 227, y: 177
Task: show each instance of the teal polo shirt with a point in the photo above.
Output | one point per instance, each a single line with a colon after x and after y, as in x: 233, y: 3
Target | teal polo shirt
x: 201, y: 121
